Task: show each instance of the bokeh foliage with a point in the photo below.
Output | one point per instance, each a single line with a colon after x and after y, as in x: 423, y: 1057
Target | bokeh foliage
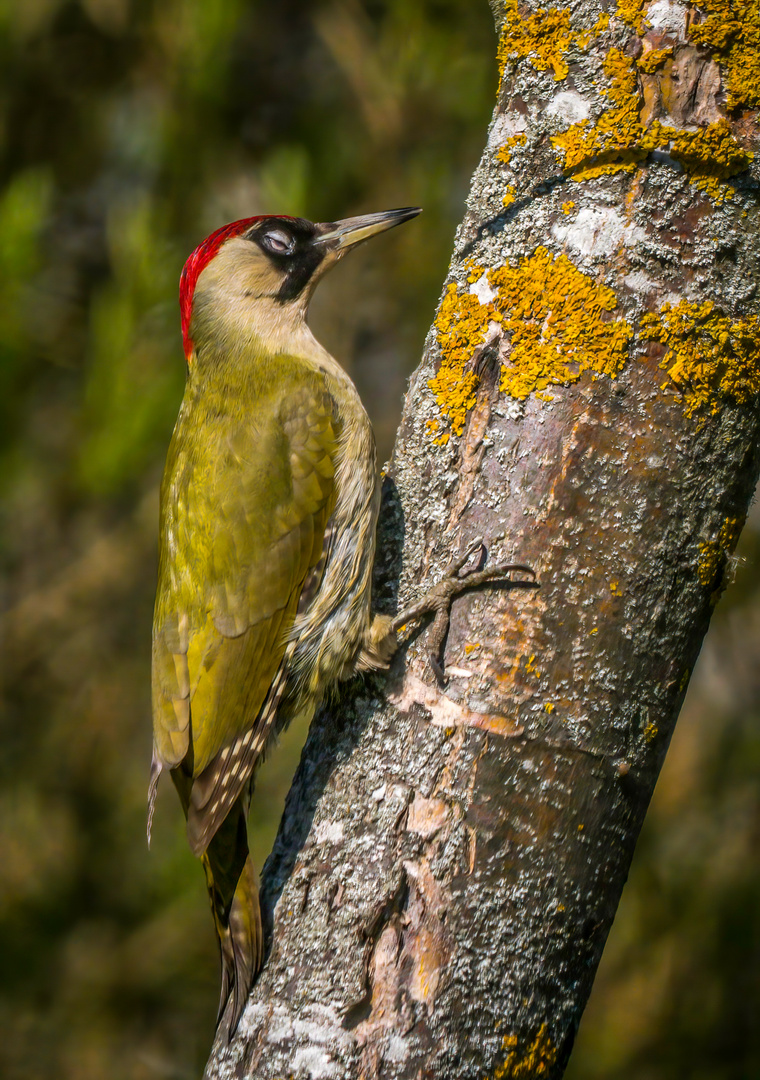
x: 128, y: 130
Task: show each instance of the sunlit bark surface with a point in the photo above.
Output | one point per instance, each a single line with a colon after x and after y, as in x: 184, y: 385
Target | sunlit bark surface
x: 451, y: 859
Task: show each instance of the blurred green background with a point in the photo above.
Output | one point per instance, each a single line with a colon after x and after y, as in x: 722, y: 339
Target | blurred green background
x: 129, y: 129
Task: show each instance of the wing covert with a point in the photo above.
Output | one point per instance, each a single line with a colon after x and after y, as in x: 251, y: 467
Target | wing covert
x: 243, y: 525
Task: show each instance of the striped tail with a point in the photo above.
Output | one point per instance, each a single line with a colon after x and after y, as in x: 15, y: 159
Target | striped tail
x: 234, y: 894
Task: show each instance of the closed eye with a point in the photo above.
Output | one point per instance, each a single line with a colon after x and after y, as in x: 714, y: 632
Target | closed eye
x: 279, y: 242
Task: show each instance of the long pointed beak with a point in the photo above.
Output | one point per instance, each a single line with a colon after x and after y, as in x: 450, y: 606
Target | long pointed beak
x: 344, y: 234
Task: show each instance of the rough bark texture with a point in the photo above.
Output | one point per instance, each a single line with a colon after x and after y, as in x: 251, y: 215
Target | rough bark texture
x: 450, y: 861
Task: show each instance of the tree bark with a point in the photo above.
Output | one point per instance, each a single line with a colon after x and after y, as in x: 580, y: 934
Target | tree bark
x: 450, y: 859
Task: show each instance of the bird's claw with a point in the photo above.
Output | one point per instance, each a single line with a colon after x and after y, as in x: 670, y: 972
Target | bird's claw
x: 440, y: 598
x: 437, y: 668
x: 456, y: 565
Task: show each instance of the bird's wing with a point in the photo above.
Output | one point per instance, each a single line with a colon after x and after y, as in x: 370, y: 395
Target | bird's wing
x: 244, y: 530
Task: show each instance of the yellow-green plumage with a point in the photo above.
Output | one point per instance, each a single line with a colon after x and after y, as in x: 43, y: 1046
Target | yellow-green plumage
x: 268, y: 510
x: 248, y: 491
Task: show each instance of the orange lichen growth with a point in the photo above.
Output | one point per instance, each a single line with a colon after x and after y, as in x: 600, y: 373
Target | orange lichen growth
x: 714, y: 553
x: 618, y: 141
x: 650, y: 61
x: 732, y: 29
x: 555, y: 318
x: 615, y: 588
x: 543, y: 38
x: 548, y: 707
x: 601, y: 24
x: 504, y: 152
x: 474, y: 272
x: 631, y: 12
x: 534, y: 1060
x: 709, y: 358
x: 509, y: 196
x: 709, y: 559
x: 710, y: 155
x: 567, y: 207
x: 584, y: 38
x: 462, y: 325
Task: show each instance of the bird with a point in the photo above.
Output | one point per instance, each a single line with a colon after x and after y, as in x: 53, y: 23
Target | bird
x: 268, y: 508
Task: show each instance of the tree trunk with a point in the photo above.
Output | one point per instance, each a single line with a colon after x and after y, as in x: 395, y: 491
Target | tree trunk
x: 450, y: 860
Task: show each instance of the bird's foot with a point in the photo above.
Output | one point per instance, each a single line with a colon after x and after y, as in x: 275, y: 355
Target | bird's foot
x: 439, y: 599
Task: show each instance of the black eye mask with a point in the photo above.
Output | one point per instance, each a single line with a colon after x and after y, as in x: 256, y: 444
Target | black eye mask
x: 300, y: 262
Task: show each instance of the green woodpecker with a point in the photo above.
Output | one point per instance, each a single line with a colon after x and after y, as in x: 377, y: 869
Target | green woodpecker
x: 268, y: 509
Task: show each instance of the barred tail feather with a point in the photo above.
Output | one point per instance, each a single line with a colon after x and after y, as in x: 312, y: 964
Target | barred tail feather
x: 215, y: 790
x: 244, y: 952
x: 234, y: 895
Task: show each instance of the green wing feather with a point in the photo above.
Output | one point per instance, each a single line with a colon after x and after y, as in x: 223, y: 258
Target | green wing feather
x: 248, y: 491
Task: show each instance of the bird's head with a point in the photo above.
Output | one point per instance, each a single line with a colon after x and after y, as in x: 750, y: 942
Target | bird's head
x: 252, y: 280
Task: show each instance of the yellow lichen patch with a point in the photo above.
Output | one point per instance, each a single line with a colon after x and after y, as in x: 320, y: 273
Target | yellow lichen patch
x: 543, y: 38
x: 709, y: 559
x: 534, y: 1060
x: 709, y: 358
x: 631, y: 12
x: 509, y: 196
x: 530, y: 667
x: 650, y: 61
x: 601, y: 24
x: 709, y: 155
x: 557, y: 321
x: 650, y: 731
x: 713, y: 554
x: 462, y: 324
x: 548, y: 707
x: 567, y: 207
x: 618, y: 141
x: 474, y: 272
x: 615, y: 588
x: 504, y: 153
x: 732, y: 29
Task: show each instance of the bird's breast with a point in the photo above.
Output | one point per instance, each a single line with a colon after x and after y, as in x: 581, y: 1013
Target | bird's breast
x: 328, y: 634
